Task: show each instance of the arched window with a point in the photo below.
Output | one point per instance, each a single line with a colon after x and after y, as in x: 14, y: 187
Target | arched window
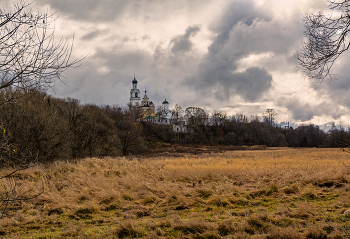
x: 135, y: 94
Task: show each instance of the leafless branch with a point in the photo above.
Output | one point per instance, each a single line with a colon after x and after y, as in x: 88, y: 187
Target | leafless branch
x: 30, y: 56
x: 326, y: 41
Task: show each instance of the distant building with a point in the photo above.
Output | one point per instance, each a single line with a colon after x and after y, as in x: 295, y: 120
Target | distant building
x: 165, y: 105
x: 149, y: 111
x: 135, y: 99
x: 162, y: 116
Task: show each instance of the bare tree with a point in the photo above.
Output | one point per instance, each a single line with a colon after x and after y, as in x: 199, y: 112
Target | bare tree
x: 162, y: 113
x: 30, y: 56
x: 269, y: 116
x: 130, y: 130
x: 196, y: 116
x: 177, y: 113
x: 219, y: 117
x: 327, y: 38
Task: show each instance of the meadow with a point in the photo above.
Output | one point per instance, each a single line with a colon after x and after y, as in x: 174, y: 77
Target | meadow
x: 272, y: 193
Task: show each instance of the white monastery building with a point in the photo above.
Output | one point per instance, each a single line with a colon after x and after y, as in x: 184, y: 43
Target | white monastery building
x: 149, y: 113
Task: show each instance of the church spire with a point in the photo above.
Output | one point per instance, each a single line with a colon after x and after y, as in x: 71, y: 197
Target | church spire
x: 134, y: 81
x: 135, y: 94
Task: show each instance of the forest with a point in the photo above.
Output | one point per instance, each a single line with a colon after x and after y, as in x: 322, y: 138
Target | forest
x: 39, y: 127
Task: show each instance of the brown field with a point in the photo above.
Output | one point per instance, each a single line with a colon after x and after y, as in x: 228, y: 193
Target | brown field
x: 278, y: 193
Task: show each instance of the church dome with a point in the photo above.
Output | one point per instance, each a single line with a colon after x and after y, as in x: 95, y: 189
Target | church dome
x: 134, y: 81
x: 165, y: 102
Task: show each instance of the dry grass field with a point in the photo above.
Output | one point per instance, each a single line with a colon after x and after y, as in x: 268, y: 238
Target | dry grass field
x: 278, y: 193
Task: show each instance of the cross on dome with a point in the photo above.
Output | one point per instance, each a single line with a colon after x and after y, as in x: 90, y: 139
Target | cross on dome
x: 134, y: 81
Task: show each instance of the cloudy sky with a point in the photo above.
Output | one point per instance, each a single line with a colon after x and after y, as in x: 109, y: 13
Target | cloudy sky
x: 231, y: 55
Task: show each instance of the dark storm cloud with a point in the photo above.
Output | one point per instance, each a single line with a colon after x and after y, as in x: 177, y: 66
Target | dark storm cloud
x: 302, y: 112
x: 249, y: 84
x: 216, y: 71
x: 237, y: 12
x: 182, y: 43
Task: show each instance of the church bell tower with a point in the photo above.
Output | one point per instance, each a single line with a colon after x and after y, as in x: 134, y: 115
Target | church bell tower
x: 135, y: 98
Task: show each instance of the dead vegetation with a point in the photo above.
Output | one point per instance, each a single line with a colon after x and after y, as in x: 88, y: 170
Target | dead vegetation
x: 280, y: 193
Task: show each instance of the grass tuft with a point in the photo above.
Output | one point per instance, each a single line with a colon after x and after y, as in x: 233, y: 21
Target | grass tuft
x: 315, y: 233
x: 285, y: 233
x: 291, y: 190
x: 127, y: 197
x: 127, y: 230
x: 205, y: 194
x: 192, y: 227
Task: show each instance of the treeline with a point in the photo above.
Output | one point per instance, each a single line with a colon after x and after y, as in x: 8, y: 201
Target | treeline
x: 219, y: 128
x: 38, y: 127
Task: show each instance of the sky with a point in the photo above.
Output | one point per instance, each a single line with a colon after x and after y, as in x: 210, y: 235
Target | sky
x: 230, y: 55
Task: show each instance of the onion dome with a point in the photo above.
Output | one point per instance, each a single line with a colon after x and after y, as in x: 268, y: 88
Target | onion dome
x: 165, y: 102
x: 134, y: 81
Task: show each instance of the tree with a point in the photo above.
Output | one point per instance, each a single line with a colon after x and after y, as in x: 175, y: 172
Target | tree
x: 130, y: 130
x: 219, y: 118
x: 177, y: 113
x: 30, y: 57
x: 196, y: 116
x: 269, y: 116
x: 326, y: 40
x: 162, y: 113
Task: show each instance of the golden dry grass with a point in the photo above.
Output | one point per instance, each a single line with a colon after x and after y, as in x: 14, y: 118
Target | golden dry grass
x: 280, y: 193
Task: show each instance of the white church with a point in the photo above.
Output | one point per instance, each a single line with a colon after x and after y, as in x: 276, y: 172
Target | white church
x: 149, y: 111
